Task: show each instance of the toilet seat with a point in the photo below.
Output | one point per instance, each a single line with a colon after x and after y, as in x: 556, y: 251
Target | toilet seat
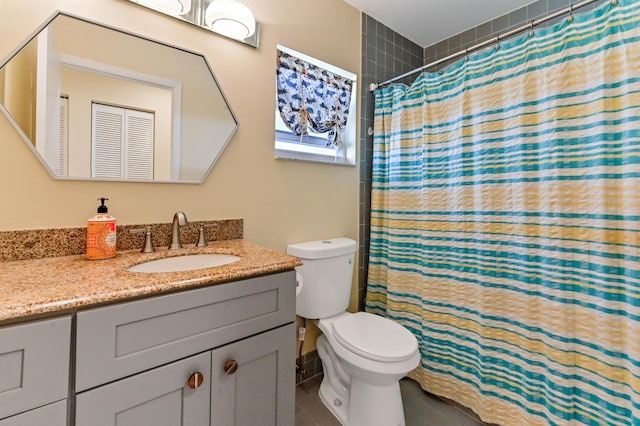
x: 374, y: 337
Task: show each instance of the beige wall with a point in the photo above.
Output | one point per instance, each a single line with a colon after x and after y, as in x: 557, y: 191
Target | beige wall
x: 280, y: 201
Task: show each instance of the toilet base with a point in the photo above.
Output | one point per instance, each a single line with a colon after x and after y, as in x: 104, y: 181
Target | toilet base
x: 366, y: 405
x: 336, y: 404
x: 354, y: 402
x: 334, y: 388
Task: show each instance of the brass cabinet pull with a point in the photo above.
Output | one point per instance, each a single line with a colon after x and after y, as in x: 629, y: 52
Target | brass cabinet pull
x: 196, y: 380
x: 230, y: 367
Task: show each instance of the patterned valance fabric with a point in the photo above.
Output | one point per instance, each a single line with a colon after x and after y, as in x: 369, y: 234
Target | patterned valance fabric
x: 309, y: 96
x: 505, y: 223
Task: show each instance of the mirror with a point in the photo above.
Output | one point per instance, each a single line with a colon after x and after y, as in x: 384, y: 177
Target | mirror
x: 98, y: 103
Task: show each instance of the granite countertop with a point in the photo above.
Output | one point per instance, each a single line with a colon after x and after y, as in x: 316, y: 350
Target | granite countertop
x: 31, y: 288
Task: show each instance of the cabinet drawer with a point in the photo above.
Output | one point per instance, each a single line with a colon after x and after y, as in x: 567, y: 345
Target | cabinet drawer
x: 34, y: 364
x: 50, y: 415
x: 120, y: 340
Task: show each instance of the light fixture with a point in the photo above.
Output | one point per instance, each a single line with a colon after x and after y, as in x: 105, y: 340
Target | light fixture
x: 230, y: 18
x: 170, y: 7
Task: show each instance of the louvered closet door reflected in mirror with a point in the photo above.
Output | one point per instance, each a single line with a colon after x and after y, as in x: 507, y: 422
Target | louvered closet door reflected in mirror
x: 121, y: 143
x: 63, y: 134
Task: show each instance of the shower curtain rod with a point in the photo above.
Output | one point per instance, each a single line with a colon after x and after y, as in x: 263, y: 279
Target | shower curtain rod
x: 496, y: 39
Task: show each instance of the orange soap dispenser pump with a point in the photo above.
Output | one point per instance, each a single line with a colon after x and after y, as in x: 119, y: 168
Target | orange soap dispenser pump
x: 101, y: 234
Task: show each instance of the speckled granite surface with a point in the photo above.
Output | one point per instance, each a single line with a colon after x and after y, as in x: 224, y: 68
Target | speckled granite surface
x: 41, y: 243
x: 38, y: 287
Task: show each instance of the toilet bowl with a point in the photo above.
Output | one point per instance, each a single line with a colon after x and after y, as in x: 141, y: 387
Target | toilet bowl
x: 363, y: 355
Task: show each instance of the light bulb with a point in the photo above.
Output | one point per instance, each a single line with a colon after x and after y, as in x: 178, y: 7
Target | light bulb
x: 230, y: 18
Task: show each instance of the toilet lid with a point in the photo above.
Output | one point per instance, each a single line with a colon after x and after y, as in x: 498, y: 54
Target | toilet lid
x: 375, y: 337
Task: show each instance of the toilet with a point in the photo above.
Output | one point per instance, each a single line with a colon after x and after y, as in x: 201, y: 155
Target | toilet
x: 363, y: 355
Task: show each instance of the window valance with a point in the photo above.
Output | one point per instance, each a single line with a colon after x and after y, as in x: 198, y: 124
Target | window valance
x: 312, y: 97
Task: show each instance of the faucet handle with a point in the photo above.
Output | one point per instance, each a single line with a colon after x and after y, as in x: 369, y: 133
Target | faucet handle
x: 202, y: 239
x: 148, y: 242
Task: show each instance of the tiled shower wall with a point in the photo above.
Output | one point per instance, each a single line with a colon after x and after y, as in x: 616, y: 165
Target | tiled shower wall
x: 386, y: 54
x: 500, y: 25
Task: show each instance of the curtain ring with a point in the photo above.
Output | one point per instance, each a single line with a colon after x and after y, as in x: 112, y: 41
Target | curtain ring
x: 531, y: 32
x: 570, y: 19
x: 614, y: 2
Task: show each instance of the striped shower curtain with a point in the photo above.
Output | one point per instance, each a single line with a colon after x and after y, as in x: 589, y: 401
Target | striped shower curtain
x: 505, y: 224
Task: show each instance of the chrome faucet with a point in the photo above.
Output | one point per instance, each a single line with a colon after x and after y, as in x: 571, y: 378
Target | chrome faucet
x: 179, y: 218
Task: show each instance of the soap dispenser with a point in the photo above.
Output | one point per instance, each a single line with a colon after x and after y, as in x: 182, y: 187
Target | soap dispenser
x: 101, y: 233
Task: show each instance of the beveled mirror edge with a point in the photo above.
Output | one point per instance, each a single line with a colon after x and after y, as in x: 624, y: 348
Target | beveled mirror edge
x: 233, y: 115
x: 26, y: 139
x: 29, y: 39
x: 42, y: 161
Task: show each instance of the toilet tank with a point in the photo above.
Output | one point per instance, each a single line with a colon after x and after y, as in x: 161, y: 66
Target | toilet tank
x: 324, y: 279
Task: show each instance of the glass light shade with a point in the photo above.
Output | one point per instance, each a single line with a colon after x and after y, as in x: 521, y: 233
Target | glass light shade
x: 230, y: 18
x: 171, y: 7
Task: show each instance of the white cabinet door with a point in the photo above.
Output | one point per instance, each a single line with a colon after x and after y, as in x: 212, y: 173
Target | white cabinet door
x: 159, y: 397
x: 34, y: 364
x: 258, y: 385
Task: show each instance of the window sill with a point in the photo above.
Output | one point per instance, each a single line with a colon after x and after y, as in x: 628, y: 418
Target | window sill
x: 282, y: 154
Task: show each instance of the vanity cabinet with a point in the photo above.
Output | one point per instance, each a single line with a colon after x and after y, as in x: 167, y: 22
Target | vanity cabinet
x: 219, y: 355
x: 34, y: 372
x: 245, y: 383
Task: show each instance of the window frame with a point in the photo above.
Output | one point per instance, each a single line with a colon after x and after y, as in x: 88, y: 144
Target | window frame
x: 288, y: 146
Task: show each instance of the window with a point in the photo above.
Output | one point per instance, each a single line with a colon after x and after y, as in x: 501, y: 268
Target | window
x: 121, y: 143
x: 315, y: 110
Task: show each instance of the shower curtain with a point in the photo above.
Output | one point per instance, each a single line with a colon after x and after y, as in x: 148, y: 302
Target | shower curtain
x: 505, y: 223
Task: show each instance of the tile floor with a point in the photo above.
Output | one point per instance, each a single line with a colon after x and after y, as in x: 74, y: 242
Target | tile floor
x: 420, y: 408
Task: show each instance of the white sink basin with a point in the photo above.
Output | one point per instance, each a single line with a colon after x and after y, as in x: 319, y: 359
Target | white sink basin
x: 190, y: 262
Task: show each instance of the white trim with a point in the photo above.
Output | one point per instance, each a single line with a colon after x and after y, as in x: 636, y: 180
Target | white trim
x: 314, y: 158
x: 114, y: 71
x: 295, y: 147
